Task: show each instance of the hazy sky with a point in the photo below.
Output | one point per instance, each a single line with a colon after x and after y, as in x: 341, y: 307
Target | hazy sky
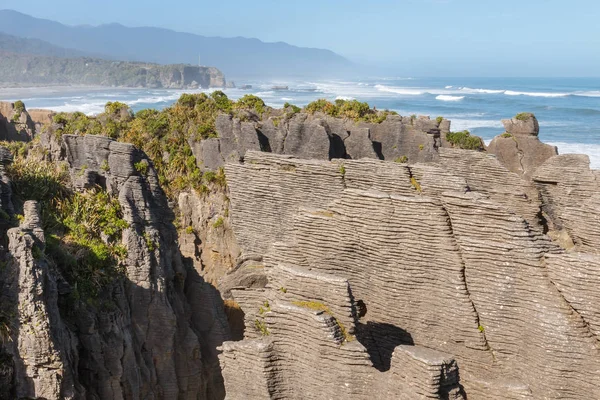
x: 416, y: 37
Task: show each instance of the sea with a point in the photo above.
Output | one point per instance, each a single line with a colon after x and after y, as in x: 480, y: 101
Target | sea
x: 568, y: 109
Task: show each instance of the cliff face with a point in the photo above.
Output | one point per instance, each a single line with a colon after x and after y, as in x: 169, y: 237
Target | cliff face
x: 322, y: 137
x: 41, y: 70
x: 450, y: 256
x: 340, y: 259
x: 143, y: 337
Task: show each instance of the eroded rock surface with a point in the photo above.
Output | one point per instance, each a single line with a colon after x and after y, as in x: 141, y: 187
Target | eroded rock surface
x: 519, y: 148
x: 451, y: 257
x: 158, y: 337
x: 457, y: 274
x: 321, y: 137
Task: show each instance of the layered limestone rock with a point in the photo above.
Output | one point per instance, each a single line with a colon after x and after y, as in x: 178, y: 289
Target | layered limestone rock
x: 451, y: 257
x: 320, y: 137
x: 571, y: 201
x: 158, y: 337
x: 519, y: 148
x: 41, y: 346
x: 344, y: 274
x: 15, y: 123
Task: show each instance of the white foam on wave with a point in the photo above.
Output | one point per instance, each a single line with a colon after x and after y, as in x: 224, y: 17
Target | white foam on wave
x: 287, y: 99
x: 333, y: 89
x: 86, y: 108
x: 444, y: 97
x: 346, y: 98
x: 448, y: 87
x: 267, y: 93
x: 535, y: 94
x: 590, y: 93
x: 484, y: 91
x: 468, y: 124
x: 591, y: 150
x: 398, y: 90
x: 154, y: 99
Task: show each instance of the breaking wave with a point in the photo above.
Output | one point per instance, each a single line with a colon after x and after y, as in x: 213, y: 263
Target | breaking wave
x: 397, y: 90
x: 444, y: 97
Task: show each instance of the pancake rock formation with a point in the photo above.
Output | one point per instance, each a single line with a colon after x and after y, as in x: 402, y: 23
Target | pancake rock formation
x: 339, y: 258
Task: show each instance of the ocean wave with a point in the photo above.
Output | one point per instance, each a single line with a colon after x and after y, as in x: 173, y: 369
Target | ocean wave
x: 86, y: 108
x: 591, y: 150
x: 287, y: 99
x: 444, y: 97
x: 535, y: 94
x: 484, y: 91
x: 265, y: 94
x: 153, y: 99
x: 468, y: 124
x: 397, y: 90
x: 591, y: 93
x: 346, y: 98
x: 448, y: 87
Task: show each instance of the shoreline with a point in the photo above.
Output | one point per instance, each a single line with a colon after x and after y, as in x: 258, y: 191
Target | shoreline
x: 12, y: 92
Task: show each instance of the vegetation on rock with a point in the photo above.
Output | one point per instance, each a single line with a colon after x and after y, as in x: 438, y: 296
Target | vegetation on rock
x: 83, y: 230
x: 524, y: 116
x: 351, y: 109
x: 19, y: 109
x: 464, y: 140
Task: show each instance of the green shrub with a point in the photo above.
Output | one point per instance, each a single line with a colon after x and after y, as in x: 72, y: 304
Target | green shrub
x: 506, y: 135
x: 222, y: 101
x: 218, y: 223
x: 83, y: 230
x: 439, y: 120
x: 152, y: 246
x: 290, y: 107
x: 464, y: 140
x: 401, y: 160
x: 19, y: 108
x: 524, y: 116
x: 118, y: 109
x: 351, y: 109
x: 251, y: 102
x: 141, y: 167
x: 322, y: 105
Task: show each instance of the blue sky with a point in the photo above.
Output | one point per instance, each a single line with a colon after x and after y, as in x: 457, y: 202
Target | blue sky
x: 415, y: 37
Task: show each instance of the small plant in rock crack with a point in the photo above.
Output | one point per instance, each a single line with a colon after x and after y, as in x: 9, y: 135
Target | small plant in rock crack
x: 219, y: 222
x: 415, y: 184
x: 264, y: 308
x: 261, y: 326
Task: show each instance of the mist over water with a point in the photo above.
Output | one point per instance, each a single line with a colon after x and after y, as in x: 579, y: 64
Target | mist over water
x: 568, y: 109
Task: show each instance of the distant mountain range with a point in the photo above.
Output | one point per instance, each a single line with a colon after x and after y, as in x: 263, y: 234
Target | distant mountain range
x: 19, y: 45
x: 236, y: 57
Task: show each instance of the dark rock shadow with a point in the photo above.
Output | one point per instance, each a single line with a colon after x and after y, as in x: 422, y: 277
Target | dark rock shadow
x: 377, y: 147
x: 337, y: 148
x: 380, y: 340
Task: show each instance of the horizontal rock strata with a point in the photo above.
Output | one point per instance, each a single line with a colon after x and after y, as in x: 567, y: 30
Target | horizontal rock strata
x: 449, y: 256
